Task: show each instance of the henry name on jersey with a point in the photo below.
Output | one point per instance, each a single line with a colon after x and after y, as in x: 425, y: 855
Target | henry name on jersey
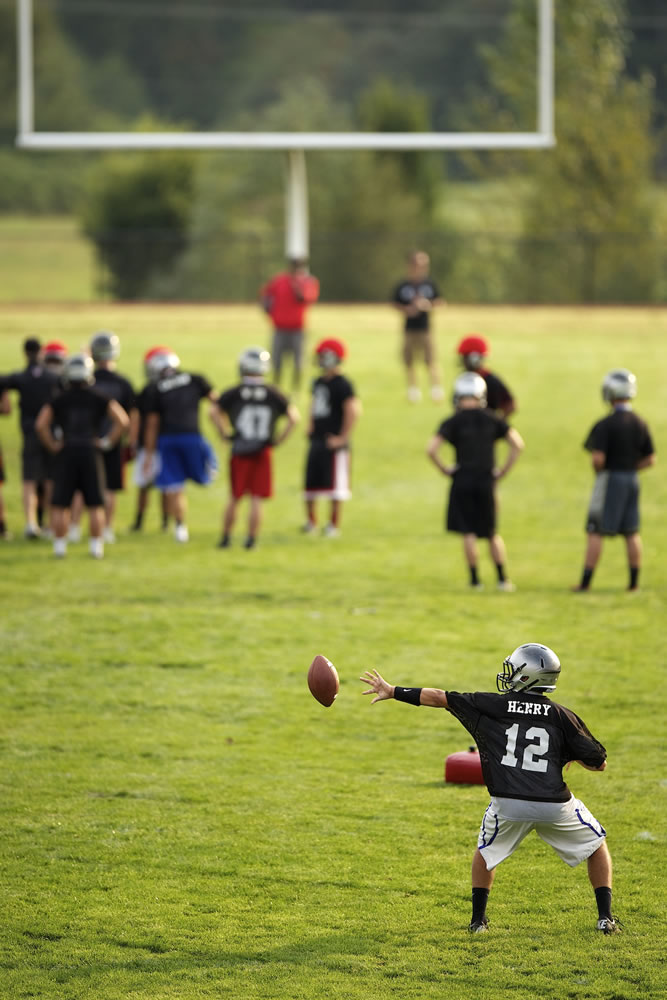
x: 528, y: 708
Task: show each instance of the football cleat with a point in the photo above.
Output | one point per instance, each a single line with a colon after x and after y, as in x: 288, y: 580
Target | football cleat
x: 181, y: 533
x: 608, y: 925
x: 330, y: 531
x: 478, y: 926
x: 507, y: 586
x: 414, y: 394
x: 531, y: 667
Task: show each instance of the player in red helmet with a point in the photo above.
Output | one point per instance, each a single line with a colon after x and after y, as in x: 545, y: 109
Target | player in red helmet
x: 473, y: 351
x: 334, y: 411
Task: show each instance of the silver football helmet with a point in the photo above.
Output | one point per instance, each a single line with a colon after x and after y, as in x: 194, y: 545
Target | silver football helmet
x: 254, y: 361
x: 531, y: 667
x: 78, y: 369
x: 159, y: 364
x: 468, y: 385
x: 105, y: 346
x: 619, y: 384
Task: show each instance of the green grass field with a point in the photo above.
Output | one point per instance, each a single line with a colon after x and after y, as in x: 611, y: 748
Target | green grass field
x: 180, y: 819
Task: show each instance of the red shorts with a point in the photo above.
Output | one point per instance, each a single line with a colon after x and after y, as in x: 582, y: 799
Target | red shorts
x: 251, y: 474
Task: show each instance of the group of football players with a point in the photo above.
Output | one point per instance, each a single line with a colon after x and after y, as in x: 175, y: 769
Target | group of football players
x: 81, y: 420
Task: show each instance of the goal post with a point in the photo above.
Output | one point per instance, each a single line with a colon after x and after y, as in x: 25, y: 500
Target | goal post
x: 295, y: 144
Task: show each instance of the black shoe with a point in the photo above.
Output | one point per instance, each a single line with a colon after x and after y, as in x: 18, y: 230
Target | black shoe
x: 137, y: 526
x: 608, y: 925
x: 249, y: 543
x: 224, y: 542
x: 478, y: 926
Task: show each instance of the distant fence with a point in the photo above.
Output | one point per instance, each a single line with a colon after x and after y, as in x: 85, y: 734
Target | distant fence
x: 59, y: 265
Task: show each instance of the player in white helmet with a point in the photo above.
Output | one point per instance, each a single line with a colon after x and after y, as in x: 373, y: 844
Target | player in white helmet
x: 620, y: 445
x: 471, y: 511
x: 246, y: 415
x: 524, y: 741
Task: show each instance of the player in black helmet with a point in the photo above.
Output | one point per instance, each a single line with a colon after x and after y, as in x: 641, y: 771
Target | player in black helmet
x: 524, y: 742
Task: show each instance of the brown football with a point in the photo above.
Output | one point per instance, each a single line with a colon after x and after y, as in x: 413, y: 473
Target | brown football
x: 323, y: 680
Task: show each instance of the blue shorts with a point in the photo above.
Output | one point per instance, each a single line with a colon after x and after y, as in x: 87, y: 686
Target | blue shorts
x: 184, y: 456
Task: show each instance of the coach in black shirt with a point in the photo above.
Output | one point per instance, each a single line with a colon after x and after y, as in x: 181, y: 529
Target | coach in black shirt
x: 620, y: 445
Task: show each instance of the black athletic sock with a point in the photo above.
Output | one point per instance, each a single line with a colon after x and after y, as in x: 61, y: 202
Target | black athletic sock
x: 603, y: 899
x: 480, y: 898
x: 634, y: 577
x: 474, y: 579
x: 500, y: 569
x: 586, y: 578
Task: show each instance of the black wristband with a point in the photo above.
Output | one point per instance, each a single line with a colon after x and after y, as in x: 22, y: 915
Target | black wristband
x: 410, y: 695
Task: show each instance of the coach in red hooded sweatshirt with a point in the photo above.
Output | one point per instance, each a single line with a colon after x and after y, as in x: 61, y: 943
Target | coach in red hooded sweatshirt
x: 284, y: 298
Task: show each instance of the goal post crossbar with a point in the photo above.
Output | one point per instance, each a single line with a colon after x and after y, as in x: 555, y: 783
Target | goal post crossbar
x: 30, y: 138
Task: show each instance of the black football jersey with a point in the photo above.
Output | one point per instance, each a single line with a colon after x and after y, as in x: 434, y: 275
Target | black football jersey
x: 497, y: 393
x: 623, y: 437
x: 176, y: 399
x: 473, y: 434
x: 407, y: 292
x: 115, y: 386
x: 36, y: 385
x: 81, y: 412
x: 253, y: 410
x: 524, y: 741
x: 329, y: 395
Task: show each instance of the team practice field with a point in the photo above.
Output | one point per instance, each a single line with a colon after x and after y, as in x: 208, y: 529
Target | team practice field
x: 182, y: 819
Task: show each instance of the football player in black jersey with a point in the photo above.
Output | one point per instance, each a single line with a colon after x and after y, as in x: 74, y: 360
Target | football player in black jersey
x: 172, y: 426
x: 105, y: 349
x: 247, y: 415
x: 472, y: 351
x: 334, y: 412
x: 620, y: 445
x: 471, y: 510
x: 145, y: 478
x: 524, y: 740
x: 5, y: 410
x: 415, y: 298
x: 91, y: 424
x: 35, y: 385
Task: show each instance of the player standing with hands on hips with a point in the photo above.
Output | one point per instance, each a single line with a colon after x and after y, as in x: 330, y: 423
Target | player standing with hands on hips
x: 524, y: 741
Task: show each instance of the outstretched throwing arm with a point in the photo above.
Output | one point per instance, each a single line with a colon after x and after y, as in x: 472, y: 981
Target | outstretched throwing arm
x: 383, y: 691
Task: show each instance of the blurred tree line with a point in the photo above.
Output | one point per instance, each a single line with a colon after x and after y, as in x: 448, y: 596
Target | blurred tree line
x: 210, y: 225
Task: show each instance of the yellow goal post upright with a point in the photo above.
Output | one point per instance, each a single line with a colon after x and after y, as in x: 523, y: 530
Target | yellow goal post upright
x: 294, y: 144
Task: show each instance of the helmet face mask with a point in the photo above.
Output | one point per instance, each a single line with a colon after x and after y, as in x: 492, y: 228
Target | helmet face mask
x: 105, y: 346
x: 469, y: 386
x: 329, y: 353
x: 619, y: 384
x: 254, y: 362
x: 531, y: 667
